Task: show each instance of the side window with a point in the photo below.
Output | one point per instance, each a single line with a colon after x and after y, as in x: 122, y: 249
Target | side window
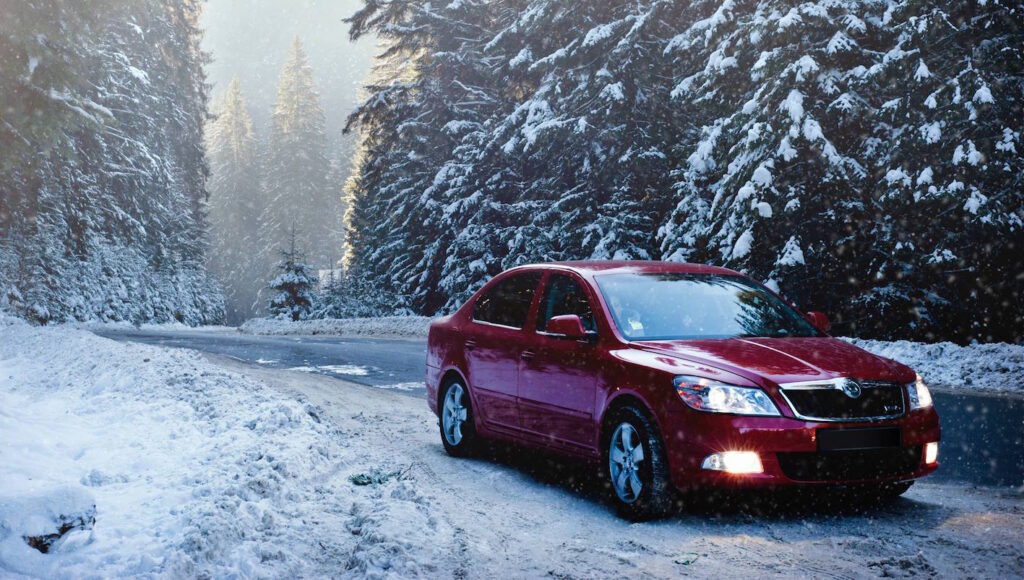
x: 563, y: 295
x: 508, y: 302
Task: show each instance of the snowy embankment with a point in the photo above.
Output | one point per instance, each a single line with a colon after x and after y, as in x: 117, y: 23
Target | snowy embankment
x: 990, y: 367
x: 385, y: 327
x: 122, y: 459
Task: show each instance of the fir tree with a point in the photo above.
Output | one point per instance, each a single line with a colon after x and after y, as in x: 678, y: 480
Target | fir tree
x: 236, y: 201
x: 297, y: 166
x: 295, y: 286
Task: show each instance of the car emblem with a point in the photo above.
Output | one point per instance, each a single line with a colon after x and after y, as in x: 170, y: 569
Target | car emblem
x: 850, y: 388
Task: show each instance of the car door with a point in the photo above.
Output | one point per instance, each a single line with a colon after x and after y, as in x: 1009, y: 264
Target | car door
x: 558, y: 377
x: 493, y: 344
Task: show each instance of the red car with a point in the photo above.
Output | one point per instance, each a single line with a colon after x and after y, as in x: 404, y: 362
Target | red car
x: 674, y: 377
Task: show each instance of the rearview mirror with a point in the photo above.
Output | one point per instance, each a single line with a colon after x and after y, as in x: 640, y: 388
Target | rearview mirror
x: 566, y: 326
x: 819, y: 320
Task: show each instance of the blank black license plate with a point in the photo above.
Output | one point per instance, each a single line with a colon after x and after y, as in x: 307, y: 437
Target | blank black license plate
x: 852, y: 439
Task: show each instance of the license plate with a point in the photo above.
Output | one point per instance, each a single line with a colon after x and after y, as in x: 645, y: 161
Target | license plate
x: 853, y: 439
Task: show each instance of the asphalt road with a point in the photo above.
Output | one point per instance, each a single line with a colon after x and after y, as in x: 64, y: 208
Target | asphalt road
x: 384, y: 363
x: 982, y: 434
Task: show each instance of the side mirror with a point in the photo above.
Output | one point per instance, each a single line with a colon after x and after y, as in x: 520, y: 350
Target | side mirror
x: 567, y: 326
x: 819, y: 320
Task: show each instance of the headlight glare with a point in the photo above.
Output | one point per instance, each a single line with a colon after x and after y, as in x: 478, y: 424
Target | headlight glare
x: 918, y: 394
x: 717, y: 397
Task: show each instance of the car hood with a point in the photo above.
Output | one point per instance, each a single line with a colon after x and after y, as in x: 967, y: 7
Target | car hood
x: 783, y: 360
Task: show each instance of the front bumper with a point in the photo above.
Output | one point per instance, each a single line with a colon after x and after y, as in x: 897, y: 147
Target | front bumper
x: 788, y: 450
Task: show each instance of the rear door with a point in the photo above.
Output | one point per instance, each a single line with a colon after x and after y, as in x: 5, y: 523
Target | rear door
x: 558, y: 377
x: 494, y: 343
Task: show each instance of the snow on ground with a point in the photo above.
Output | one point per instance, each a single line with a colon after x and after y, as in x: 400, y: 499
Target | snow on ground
x: 994, y: 367
x: 194, y: 467
x: 191, y: 470
x: 386, y: 327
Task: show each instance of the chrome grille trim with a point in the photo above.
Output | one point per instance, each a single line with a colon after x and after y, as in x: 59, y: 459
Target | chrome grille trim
x: 836, y: 385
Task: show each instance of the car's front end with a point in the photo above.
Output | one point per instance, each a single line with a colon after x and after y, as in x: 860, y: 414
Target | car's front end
x: 823, y: 432
x: 752, y: 393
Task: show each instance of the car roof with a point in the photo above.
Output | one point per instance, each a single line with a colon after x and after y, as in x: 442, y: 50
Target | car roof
x: 591, y: 267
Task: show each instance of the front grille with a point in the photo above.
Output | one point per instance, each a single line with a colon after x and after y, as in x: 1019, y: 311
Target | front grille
x: 850, y: 465
x: 877, y: 400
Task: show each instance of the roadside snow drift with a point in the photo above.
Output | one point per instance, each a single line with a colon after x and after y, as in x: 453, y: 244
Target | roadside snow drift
x: 186, y: 469
x: 991, y: 367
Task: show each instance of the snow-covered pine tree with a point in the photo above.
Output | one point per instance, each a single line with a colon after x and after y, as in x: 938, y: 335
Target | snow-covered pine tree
x: 816, y: 130
x: 947, y: 175
x: 426, y: 98
x: 294, y: 289
x: 772, y: 186
x: 297, y: 166
x: 43, y: 63
x: 236, y: 201
x: 108, y: 223
x: 765, y: 136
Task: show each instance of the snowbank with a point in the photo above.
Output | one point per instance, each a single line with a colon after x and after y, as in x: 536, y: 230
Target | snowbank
x: 387, y: 326
x: 150, y: 326
x: 995, y: 367
x: 137, y: 460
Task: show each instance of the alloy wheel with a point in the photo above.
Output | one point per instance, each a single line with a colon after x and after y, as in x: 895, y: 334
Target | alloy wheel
x: 454, y: 414
x: 625, y: 456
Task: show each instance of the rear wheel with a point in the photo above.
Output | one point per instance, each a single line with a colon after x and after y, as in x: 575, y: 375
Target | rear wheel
x: 458, y: 433
x: 636, y: 466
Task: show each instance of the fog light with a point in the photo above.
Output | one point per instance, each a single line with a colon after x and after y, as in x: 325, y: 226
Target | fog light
x: 931, y: 453
x: 734, y: 462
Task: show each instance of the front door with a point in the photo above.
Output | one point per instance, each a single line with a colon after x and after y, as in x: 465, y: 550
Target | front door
x: 558, y: 377
x: 494, y: 343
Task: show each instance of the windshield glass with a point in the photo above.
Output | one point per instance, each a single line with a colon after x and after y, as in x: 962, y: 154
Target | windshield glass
x: 693, y: 306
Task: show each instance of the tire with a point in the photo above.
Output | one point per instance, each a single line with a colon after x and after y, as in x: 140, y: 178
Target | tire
x: 627, y: 429
x: 458, y: 431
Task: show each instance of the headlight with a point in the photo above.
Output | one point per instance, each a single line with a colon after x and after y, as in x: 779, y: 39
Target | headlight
x: 918, y: 395
x: 718, y: 397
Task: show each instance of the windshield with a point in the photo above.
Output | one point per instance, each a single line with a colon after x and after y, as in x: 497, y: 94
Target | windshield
x: 693, y: 306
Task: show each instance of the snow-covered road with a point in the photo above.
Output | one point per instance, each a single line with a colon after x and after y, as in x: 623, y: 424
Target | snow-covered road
x: 216, y: 467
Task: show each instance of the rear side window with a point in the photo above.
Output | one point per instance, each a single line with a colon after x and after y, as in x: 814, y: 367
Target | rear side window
x: 563, y: 295
x: 508, y: 302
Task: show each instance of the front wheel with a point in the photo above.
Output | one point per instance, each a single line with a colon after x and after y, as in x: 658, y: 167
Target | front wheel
x: 637, y: 468
x: 458, y: 433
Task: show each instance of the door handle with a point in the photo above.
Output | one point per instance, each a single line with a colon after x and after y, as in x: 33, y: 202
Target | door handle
x: 470, y: 344
x: 526, y: 354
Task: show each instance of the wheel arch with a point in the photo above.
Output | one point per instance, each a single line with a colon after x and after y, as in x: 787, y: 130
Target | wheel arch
x: 450, y: 375
x: 620, y: 401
